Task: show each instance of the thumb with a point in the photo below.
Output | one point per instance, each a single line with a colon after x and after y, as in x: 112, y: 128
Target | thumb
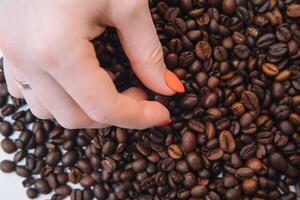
x: 141, y: 44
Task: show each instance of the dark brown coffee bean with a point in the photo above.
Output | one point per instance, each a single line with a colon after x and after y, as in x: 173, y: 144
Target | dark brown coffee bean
x: 203, y: 50
x: 209, y: 100
x: 175, y: 151
x: 87, y: 181
x: 229, y: 6
x: 278, y: 162
x: 7, y: 166
x: 42, y: 186
x: 6, y: 128
x: 109, y: 164
x: 53, y: 158
x: 8, y: 146
x: 199, y: 191
x: 220, y: 53
x: 189, y: 101
x: 244, y: 173
x: 248, y: 151
x: 241, y: 51
x: 227, y: 141
x: 8, y: 109
x: 265, y: 40
x: 215, y: 154
x: 139, y: 165
x: 70, y: 158
x: 194, y: 161
x: 233, y: 193
x: 230, y: 181
x: 188, y: 142
x: 63, y: 190
x: 250, y: 100
x: 238, y: 109
x: 76, y: 195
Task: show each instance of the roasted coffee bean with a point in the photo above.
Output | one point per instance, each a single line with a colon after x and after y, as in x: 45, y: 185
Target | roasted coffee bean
x: 227, y: 141
x: 215, y: 154
x: 249, y: 186
x: 203, y: 50
x: 265, y: 40
x: 53, y: 158
x: 250, y: 100
x: 42, y: 186
x: 244, y: 173
x: 70, y: 158
x: 6, y: 128
x: 194, y: 161
x: 270, y: 69
x: 8, y: 146
x: 188, y: 142
x: 7, y: 166
x: 63, y: 190
x: 278, y: 162
x: 175, y: 151
x: 248, y: 151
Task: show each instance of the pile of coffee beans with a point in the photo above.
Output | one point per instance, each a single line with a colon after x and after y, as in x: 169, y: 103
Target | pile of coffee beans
x: 235, y: 133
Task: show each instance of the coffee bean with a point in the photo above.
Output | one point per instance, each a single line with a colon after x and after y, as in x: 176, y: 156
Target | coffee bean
x: 250, y: 100
x: 229, y: 6
x: 248, y: 151
x: 209, y: 100
x: 188, y: 141
x: 109, y: 165
x: 227, y: 141
x: 230, y: 181
x: 270, y: 69
x: 220, y: 53
x: 265, y: 40
x: 53, y: 158
x: 69, y: 158
x: 63, y: 190
x: 203, y: 50
x: 194, y: 161
x: 238, y: 109
x: 6, y: 128
x: 139, y: 165
x: 249, y: 186
x: 175, y: 151
x: 42, y: 186
x: 7, y: 166
x: 8, y: 146
x: 199, y: 191
x: 254, y: 164
x: 244, y: 173
x: 215, y: 154
x: 293, y: 10
x: 242, y: 51
x: 31, y: 193
x: 278, y: 162
x: 87, y: 181
x: 189, y: 102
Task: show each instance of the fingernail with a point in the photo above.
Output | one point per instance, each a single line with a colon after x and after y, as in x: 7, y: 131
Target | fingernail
x: 165, y: 123
x: 173, y: 82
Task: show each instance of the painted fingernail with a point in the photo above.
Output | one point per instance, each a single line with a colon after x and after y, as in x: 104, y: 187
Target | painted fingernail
x: 165, y: 123
x: 173, y: 82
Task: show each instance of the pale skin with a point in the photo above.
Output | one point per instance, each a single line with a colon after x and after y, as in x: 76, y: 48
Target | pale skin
x: 47, y: 43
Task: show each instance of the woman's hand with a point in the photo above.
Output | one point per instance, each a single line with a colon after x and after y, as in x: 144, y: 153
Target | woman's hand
x: 46, y: 45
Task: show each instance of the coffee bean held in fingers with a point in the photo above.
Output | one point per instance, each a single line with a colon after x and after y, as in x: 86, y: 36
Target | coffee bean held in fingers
x: 234, y: 132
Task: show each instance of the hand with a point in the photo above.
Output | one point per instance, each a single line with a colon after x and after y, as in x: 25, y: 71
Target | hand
x: 47, y: 44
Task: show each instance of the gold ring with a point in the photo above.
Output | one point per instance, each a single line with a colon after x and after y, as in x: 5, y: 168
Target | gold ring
x: 24, y: 85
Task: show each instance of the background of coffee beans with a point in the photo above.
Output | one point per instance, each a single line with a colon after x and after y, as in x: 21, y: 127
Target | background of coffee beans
x: 235, y: 132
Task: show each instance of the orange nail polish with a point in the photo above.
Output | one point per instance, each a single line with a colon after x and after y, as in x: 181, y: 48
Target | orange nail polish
x: 173, y: 82
x: 165, y: 123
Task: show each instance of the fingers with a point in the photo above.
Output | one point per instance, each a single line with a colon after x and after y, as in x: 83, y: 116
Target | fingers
x: 65, y: 110
x: 36, y: 107
x: 92, y: 88
x: 11, y: 80
x: 141, y: 44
